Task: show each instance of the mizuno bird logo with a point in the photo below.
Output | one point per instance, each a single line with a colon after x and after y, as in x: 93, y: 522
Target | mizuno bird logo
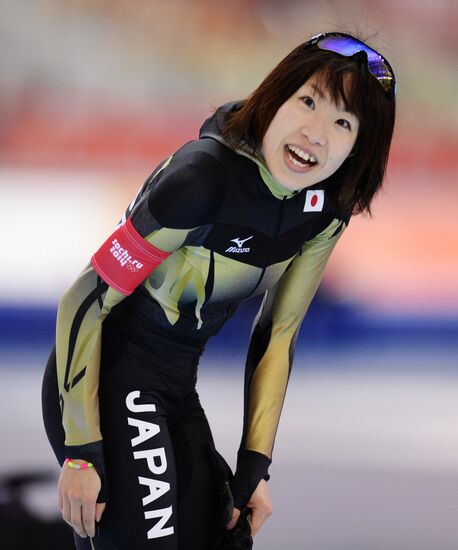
x: 239, y: 248
x: 239, y: 242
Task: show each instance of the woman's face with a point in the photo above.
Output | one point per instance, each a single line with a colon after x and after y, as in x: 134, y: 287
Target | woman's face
x: 309, y: 138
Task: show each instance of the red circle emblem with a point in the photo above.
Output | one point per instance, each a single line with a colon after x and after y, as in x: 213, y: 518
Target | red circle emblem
x: 314, y: 200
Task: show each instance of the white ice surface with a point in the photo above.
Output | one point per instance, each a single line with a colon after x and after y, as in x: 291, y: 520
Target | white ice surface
x: 364, y: 460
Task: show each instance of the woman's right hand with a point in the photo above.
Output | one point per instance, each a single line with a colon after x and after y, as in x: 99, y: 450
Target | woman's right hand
x: 78, y: 492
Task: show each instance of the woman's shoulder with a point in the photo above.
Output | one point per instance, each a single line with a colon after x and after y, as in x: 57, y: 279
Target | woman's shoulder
x: 206, y: 152
x: 190, y: 186
x: 198, y: 166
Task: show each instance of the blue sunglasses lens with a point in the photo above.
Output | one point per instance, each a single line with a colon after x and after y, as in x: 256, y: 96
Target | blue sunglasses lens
x: 348, y: 46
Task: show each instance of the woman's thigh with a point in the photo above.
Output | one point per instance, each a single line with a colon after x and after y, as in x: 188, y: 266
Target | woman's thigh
x: 157, y: 455
x: 139, y: 456
x: 196, y: 484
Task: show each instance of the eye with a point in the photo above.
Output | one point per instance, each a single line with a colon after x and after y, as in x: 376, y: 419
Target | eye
x: 344, y: 123
x: 308, y: 101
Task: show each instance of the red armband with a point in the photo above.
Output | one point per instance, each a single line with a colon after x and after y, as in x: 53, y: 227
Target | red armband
x: 126, y: 259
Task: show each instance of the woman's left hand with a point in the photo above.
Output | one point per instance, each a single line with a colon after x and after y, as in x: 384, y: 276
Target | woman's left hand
x: 260, y: 506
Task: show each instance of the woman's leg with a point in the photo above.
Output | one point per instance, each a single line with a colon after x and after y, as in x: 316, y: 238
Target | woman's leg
x: 142, y: 510
x: 139, y: 456
x: 171, y: 473
x: 197, y: 498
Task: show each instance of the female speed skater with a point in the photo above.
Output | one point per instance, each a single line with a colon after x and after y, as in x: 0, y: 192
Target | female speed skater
x: 255, y: 205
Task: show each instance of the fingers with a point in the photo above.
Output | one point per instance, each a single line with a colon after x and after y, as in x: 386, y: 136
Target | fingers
x: 66, y: 511
x: 234, y: 519
x: 82, y: 517
x: 258, y: 517
x: 88, y: 517
x: 260, y: 505
x: 99, y: 509
x: 76, y: 520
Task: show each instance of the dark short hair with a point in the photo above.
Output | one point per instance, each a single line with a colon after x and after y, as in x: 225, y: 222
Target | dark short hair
x: 355, y: 183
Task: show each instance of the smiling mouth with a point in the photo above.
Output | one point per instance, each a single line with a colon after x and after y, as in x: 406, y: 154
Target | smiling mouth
x: 300, y: 158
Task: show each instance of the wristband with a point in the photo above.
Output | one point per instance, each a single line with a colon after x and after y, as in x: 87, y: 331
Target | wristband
x: 75, y: 466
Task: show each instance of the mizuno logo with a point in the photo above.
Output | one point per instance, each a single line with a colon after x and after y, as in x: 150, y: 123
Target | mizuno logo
x: 239, y: 248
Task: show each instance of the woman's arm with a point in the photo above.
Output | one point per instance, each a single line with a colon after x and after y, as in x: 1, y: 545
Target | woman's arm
x: 81, y: 312
x: 172, y: 204
x: 270, y: 358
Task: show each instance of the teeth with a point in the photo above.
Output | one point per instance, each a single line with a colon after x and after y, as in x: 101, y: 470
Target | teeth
x: 300, y: 153
x: 296, y: 162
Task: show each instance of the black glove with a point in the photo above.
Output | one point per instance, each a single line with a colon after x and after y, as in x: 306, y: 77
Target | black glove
x: 238, y: 538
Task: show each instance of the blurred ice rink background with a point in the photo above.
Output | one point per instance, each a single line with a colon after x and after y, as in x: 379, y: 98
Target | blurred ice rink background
x: 93, y: 93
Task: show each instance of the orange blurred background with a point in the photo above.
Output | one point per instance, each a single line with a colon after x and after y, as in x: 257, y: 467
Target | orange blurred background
x: 101, y: 90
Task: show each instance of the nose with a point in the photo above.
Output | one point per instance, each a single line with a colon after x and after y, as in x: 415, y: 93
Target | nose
x: 315, y: 130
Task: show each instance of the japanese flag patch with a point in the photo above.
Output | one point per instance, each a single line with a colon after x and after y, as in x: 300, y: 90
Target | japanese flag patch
x: 314, y: 200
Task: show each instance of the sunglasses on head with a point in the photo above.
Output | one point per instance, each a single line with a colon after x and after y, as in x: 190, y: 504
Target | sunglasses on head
x: 347, y: 45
